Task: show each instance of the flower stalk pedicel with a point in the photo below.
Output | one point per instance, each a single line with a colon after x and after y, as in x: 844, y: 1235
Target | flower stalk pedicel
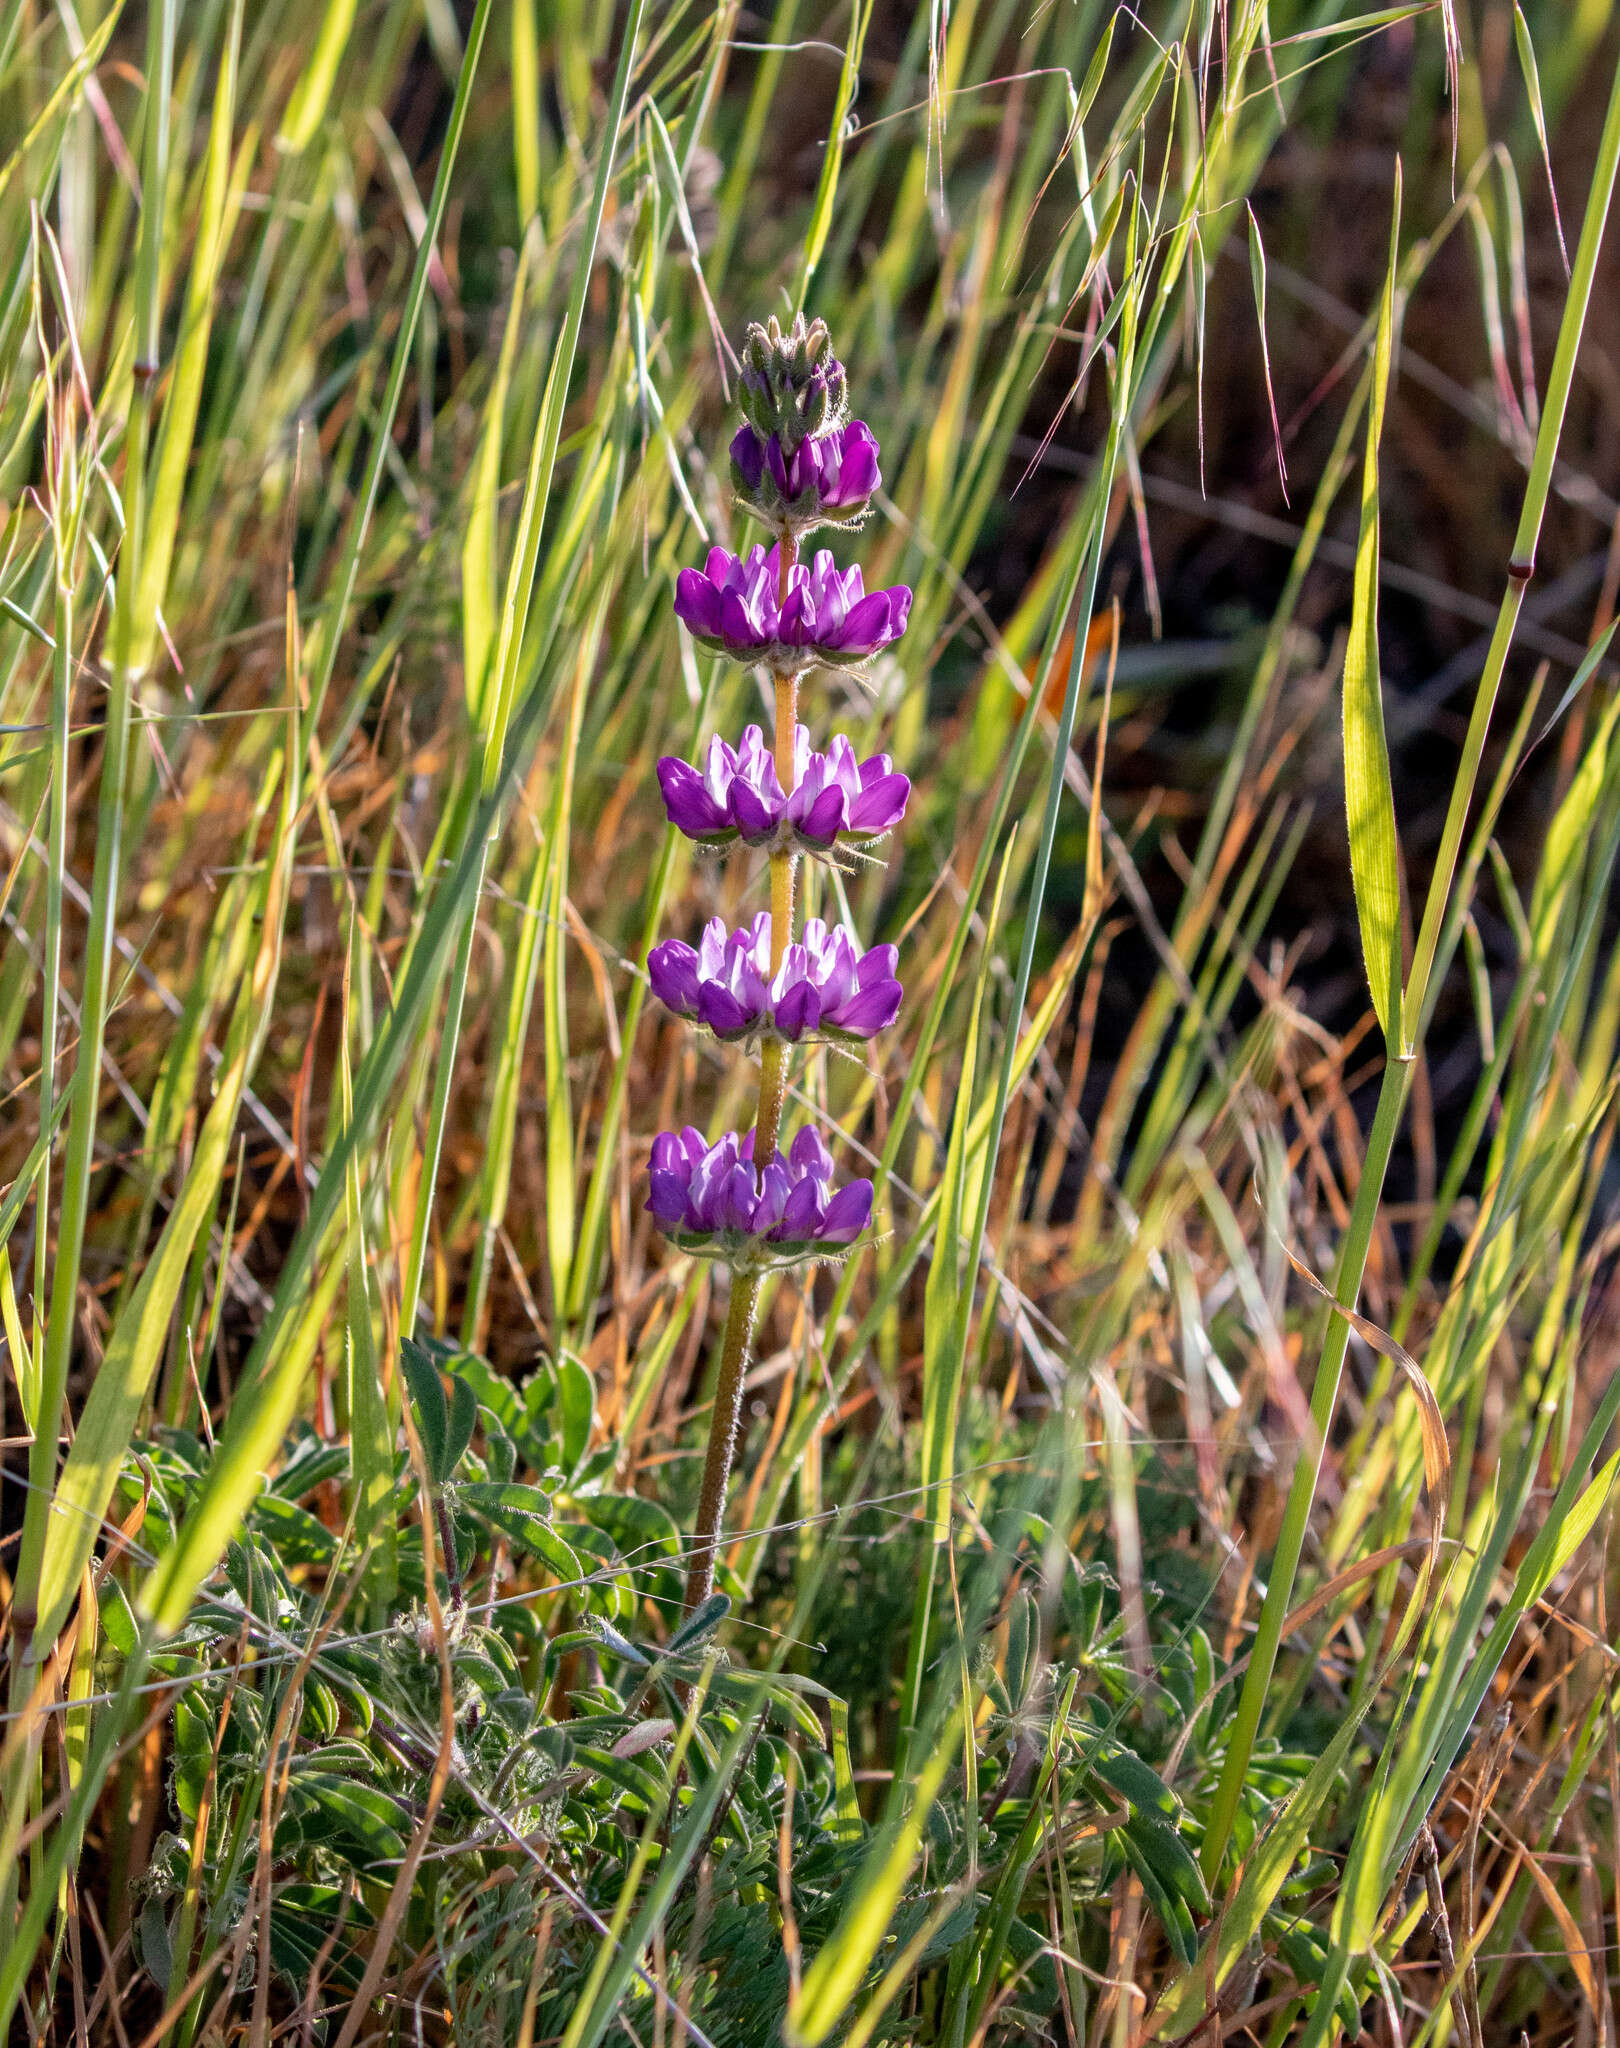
x: 797, y: 463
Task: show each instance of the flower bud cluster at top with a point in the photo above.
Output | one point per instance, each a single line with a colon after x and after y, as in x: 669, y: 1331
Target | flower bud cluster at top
x: 797, y: 463
x: 792, y: 385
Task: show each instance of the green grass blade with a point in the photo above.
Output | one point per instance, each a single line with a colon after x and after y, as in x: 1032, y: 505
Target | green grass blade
x: 1369, y: 794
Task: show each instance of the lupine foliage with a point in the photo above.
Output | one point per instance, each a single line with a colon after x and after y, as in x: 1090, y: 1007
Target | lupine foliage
x: 1107, y: 1641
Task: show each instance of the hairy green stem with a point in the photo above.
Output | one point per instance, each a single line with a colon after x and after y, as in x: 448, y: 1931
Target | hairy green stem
x: 722, y: 1437
x: 739, y: 1332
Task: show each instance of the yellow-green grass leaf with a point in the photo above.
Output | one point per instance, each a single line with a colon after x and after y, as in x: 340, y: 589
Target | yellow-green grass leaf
x: 943, y: 1350
x: 24, y: 1363
x: 1565, y: 852
x: 247, y: 1450
x: 1368, y: 792
x: 1195, y: 1992
x: 479, y: 573
x: 836, y: 1973
x: 175, y: 434
x: 371, y: 1459
x: 821, y: 213
x: 526, y: 108
x: 314, y: 88
x: 561, y: 1213
x: 138, y: 1339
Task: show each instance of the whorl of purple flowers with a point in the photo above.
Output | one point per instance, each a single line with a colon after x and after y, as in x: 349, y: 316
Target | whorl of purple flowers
x: 825, y: 987
x: 828, y: 617
x: 836, y: 800
x: 713, y: 1200
x: 827, y: 481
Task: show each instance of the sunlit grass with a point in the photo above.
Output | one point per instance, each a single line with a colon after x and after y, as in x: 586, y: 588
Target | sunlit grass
x: 1110, y: 1634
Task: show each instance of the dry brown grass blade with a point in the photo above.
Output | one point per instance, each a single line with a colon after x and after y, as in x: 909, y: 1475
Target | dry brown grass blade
x: 1580, y: 1960
x: 1440, y: 1923
x: 1494, y: 1763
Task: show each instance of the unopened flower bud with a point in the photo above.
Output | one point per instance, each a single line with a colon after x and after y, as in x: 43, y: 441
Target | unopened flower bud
x: 792, y: 384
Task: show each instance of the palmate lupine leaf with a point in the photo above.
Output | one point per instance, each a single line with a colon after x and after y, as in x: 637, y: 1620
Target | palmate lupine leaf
x: 1369, y: 795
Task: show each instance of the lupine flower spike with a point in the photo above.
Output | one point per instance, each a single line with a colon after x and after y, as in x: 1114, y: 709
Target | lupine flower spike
x: 797, y: 463
x: 711, y: 1200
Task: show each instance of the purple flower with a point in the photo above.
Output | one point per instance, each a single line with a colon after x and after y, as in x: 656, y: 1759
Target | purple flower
x: 735, y: 604
x: 832, y: 613
x: 827, y: 480
x: 730, y: 603
x: 836, y: 799
x: 825, y: 986
x: 712, y: 1200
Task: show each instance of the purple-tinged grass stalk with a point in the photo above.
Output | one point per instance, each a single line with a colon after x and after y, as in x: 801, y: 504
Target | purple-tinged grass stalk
x: 796, y: 465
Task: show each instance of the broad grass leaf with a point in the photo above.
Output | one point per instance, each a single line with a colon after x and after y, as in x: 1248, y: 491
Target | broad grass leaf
x: 480, y: 574
x: 136, y: 1344
x: 307, y: 107
x: 1432, y: 1423
x: 821, y: 212
x: 1193, y: 1995
x: 221, y: 196
x: 594, y: 2014
x: 1564, y: 852
x: 944, y: 1333
x: 836, y: 1972
x: 1368, y: 793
